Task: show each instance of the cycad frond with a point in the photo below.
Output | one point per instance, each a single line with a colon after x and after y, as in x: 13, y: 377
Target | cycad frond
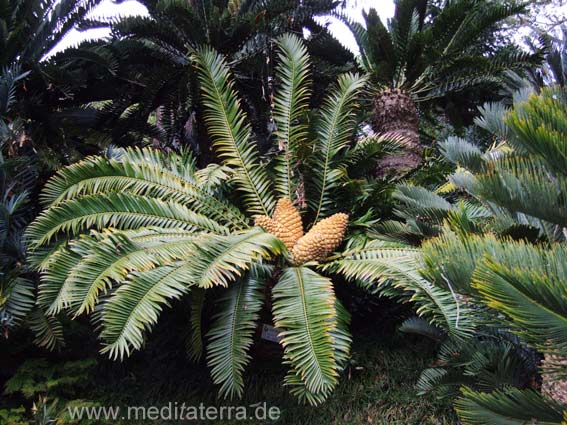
x: 396, y: 268
x: 440, y: 253
x: 221, y: 260
x: 540, y: 128
x: 108, y: 258
x: 230, y: 335
x: 507, y: 407
x: 75, y: 273
x: 143, y: 172
x: 420, y: 202
x: 341, y: 348
x: 47, y: 329
x: 462, y: 153
x: 195, y: 341
x: 231, y: 133
x: 535, y: 298
x: 304, y: 309
x: 135, y: 306
x: 122, y: 211
x: 519, y: 185
x: 489, y: 361
x: 290, y: 104
x: 420, y: 326
x: 16, y: 298
x: 334, y: 129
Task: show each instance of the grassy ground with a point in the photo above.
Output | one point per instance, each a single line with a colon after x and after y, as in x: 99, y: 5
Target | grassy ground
x: 377, y: 389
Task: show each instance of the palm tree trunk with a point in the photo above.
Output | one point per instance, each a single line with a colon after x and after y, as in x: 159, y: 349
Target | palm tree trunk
x: 395, y: 114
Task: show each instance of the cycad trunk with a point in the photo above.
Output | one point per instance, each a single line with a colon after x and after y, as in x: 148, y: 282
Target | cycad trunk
x: 554, y: 386
x: 395, y: 114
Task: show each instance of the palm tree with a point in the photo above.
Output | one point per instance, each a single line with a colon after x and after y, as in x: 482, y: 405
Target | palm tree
x: 126, y: 234
x: 425, y: 55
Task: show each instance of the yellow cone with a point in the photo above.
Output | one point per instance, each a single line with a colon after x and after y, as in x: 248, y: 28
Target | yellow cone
x: 288, y: 216
x: 321, y: 240
x: 276, y: 229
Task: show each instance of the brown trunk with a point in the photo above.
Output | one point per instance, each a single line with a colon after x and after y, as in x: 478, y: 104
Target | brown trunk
x: 553, y: 385
x: 395, y: 114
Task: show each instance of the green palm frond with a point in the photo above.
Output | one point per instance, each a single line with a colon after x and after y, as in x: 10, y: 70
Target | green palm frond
x: 119, y: 210
x: 141, y: 172
x: 79, y: 273
x: 112, y: 257
x: 342, y: 338
x: 539, y: 126
x: 420, y: 202
x: 518, y: 184
x: 341, y: 348
x: 334, y: 129
x: 53, y: 294
x: 47, y: 329
x: 511, y: 406
x: 378, y: 57
x: 231, y: 133
x: 461, y: 23
x: 304, y: 310
x: 76, y: 273
x: 195, y: 340
x: 420, y: 326
x: 486, y: 362
x: 394, y: 271
x: 491, y: 118
x: 16, y: 298
x: 462, y: 153
x: 534, y: 298
x: 219, y: 260
x: 291, y: 102
x: 230, y: 335
x: 362, y: 156
x: 439, y: 256
x: 135, y: 306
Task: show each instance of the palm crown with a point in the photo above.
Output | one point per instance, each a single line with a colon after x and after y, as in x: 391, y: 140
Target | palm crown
x: 124, y: 234
x: 148, y: 64
x: 423, y: 56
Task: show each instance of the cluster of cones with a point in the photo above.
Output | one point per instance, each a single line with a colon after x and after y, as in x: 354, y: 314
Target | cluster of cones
x: 316, y: 244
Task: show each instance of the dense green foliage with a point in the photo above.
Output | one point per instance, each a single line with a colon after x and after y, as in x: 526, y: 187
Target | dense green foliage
x: 188, y: 177
x: 130, y: 232
x: 500, y: 250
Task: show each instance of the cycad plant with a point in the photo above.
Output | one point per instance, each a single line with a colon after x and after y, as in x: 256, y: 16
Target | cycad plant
x: 143, y: 76
x: 126, y: 234
x: 501, y: 252
x: 426, y: 54
x: 18, y: 177
x: 31, y: 97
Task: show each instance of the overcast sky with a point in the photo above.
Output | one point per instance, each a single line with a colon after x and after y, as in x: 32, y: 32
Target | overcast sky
x: 354, y: 9
x: 107, y: 8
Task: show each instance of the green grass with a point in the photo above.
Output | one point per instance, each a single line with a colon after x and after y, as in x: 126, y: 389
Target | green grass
x: 378, y: 388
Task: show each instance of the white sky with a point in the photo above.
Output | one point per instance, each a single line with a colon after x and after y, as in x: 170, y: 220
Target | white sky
x: 354, y: 9
x: 131, y: 7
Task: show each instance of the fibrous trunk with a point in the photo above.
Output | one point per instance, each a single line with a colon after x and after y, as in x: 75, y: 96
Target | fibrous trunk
x: 395, y: 115
x: 553, y: 385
